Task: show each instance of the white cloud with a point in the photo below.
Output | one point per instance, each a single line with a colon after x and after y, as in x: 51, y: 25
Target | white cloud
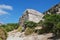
x: 6, y: 7
x: 3, y: 12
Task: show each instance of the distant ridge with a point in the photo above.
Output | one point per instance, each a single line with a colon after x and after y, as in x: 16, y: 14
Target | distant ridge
x: 54, y: 9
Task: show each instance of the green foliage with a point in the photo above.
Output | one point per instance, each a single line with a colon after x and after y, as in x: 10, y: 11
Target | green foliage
x: 30, y: 24
x: 48, y: 26
x: 19, y: 29
x: 52, y: 23
x: 3, y: 34
x: 41, y: 31
x: 0, y: 38
x: 10, y: 26
x: 58, y: 26
x: 28, y: 31
x: 54, y: 18
x: 40, y: 23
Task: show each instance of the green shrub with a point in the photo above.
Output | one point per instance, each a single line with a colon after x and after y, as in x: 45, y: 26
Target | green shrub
x: 19, y: 29
x: 39, y: 31
x: 58, y: 26
x: 10, y: 26
x: 0, y: 38
x: 30, y: 24
x: 3, y: 34
x: 28, y: 31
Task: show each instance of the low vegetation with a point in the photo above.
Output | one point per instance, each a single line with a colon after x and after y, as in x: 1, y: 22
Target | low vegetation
x: 10, y: 26
x: 51, y: 23
x: 30, y: 24
x: 19, y: 29
x: 29, y: 31
x: 0, y: 38
x: 3, y: 34
x: 4, y: 28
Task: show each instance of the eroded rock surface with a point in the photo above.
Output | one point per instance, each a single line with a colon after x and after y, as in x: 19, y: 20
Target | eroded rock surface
x: 20, y: 36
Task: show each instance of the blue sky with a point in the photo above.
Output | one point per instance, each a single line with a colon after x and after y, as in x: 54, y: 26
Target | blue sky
x: 11, y: 10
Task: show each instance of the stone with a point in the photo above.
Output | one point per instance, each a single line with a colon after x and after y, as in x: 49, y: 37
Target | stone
x: 30, y: 15
x: 29, y: 37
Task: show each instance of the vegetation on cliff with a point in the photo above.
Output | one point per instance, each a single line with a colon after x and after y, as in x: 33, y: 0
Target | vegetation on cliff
x: 51, y: 23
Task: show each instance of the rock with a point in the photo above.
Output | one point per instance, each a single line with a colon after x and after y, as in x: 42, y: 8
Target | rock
x: 30, y: 15
x: 21, y: 36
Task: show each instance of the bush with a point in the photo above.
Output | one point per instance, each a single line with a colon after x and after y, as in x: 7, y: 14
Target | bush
x: 58, y: 26
x: 10, y: 26
x: 30, y: 24
x: 0, y: 38
x: 3, y: 34
x: 19, y: 29
x: 28, y: 31
x: 39, y: 31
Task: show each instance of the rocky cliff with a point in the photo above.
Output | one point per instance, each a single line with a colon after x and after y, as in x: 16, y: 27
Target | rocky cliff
x: 30, y: 15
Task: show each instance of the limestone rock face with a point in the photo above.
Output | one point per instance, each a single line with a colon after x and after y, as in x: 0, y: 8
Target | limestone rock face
x: 34, y: 15
x: 30, y: 15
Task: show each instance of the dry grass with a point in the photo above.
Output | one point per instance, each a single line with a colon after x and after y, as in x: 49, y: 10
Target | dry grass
x: 3, y: 34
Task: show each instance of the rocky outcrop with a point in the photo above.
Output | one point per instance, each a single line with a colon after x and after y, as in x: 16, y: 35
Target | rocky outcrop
x: 30, y: 15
